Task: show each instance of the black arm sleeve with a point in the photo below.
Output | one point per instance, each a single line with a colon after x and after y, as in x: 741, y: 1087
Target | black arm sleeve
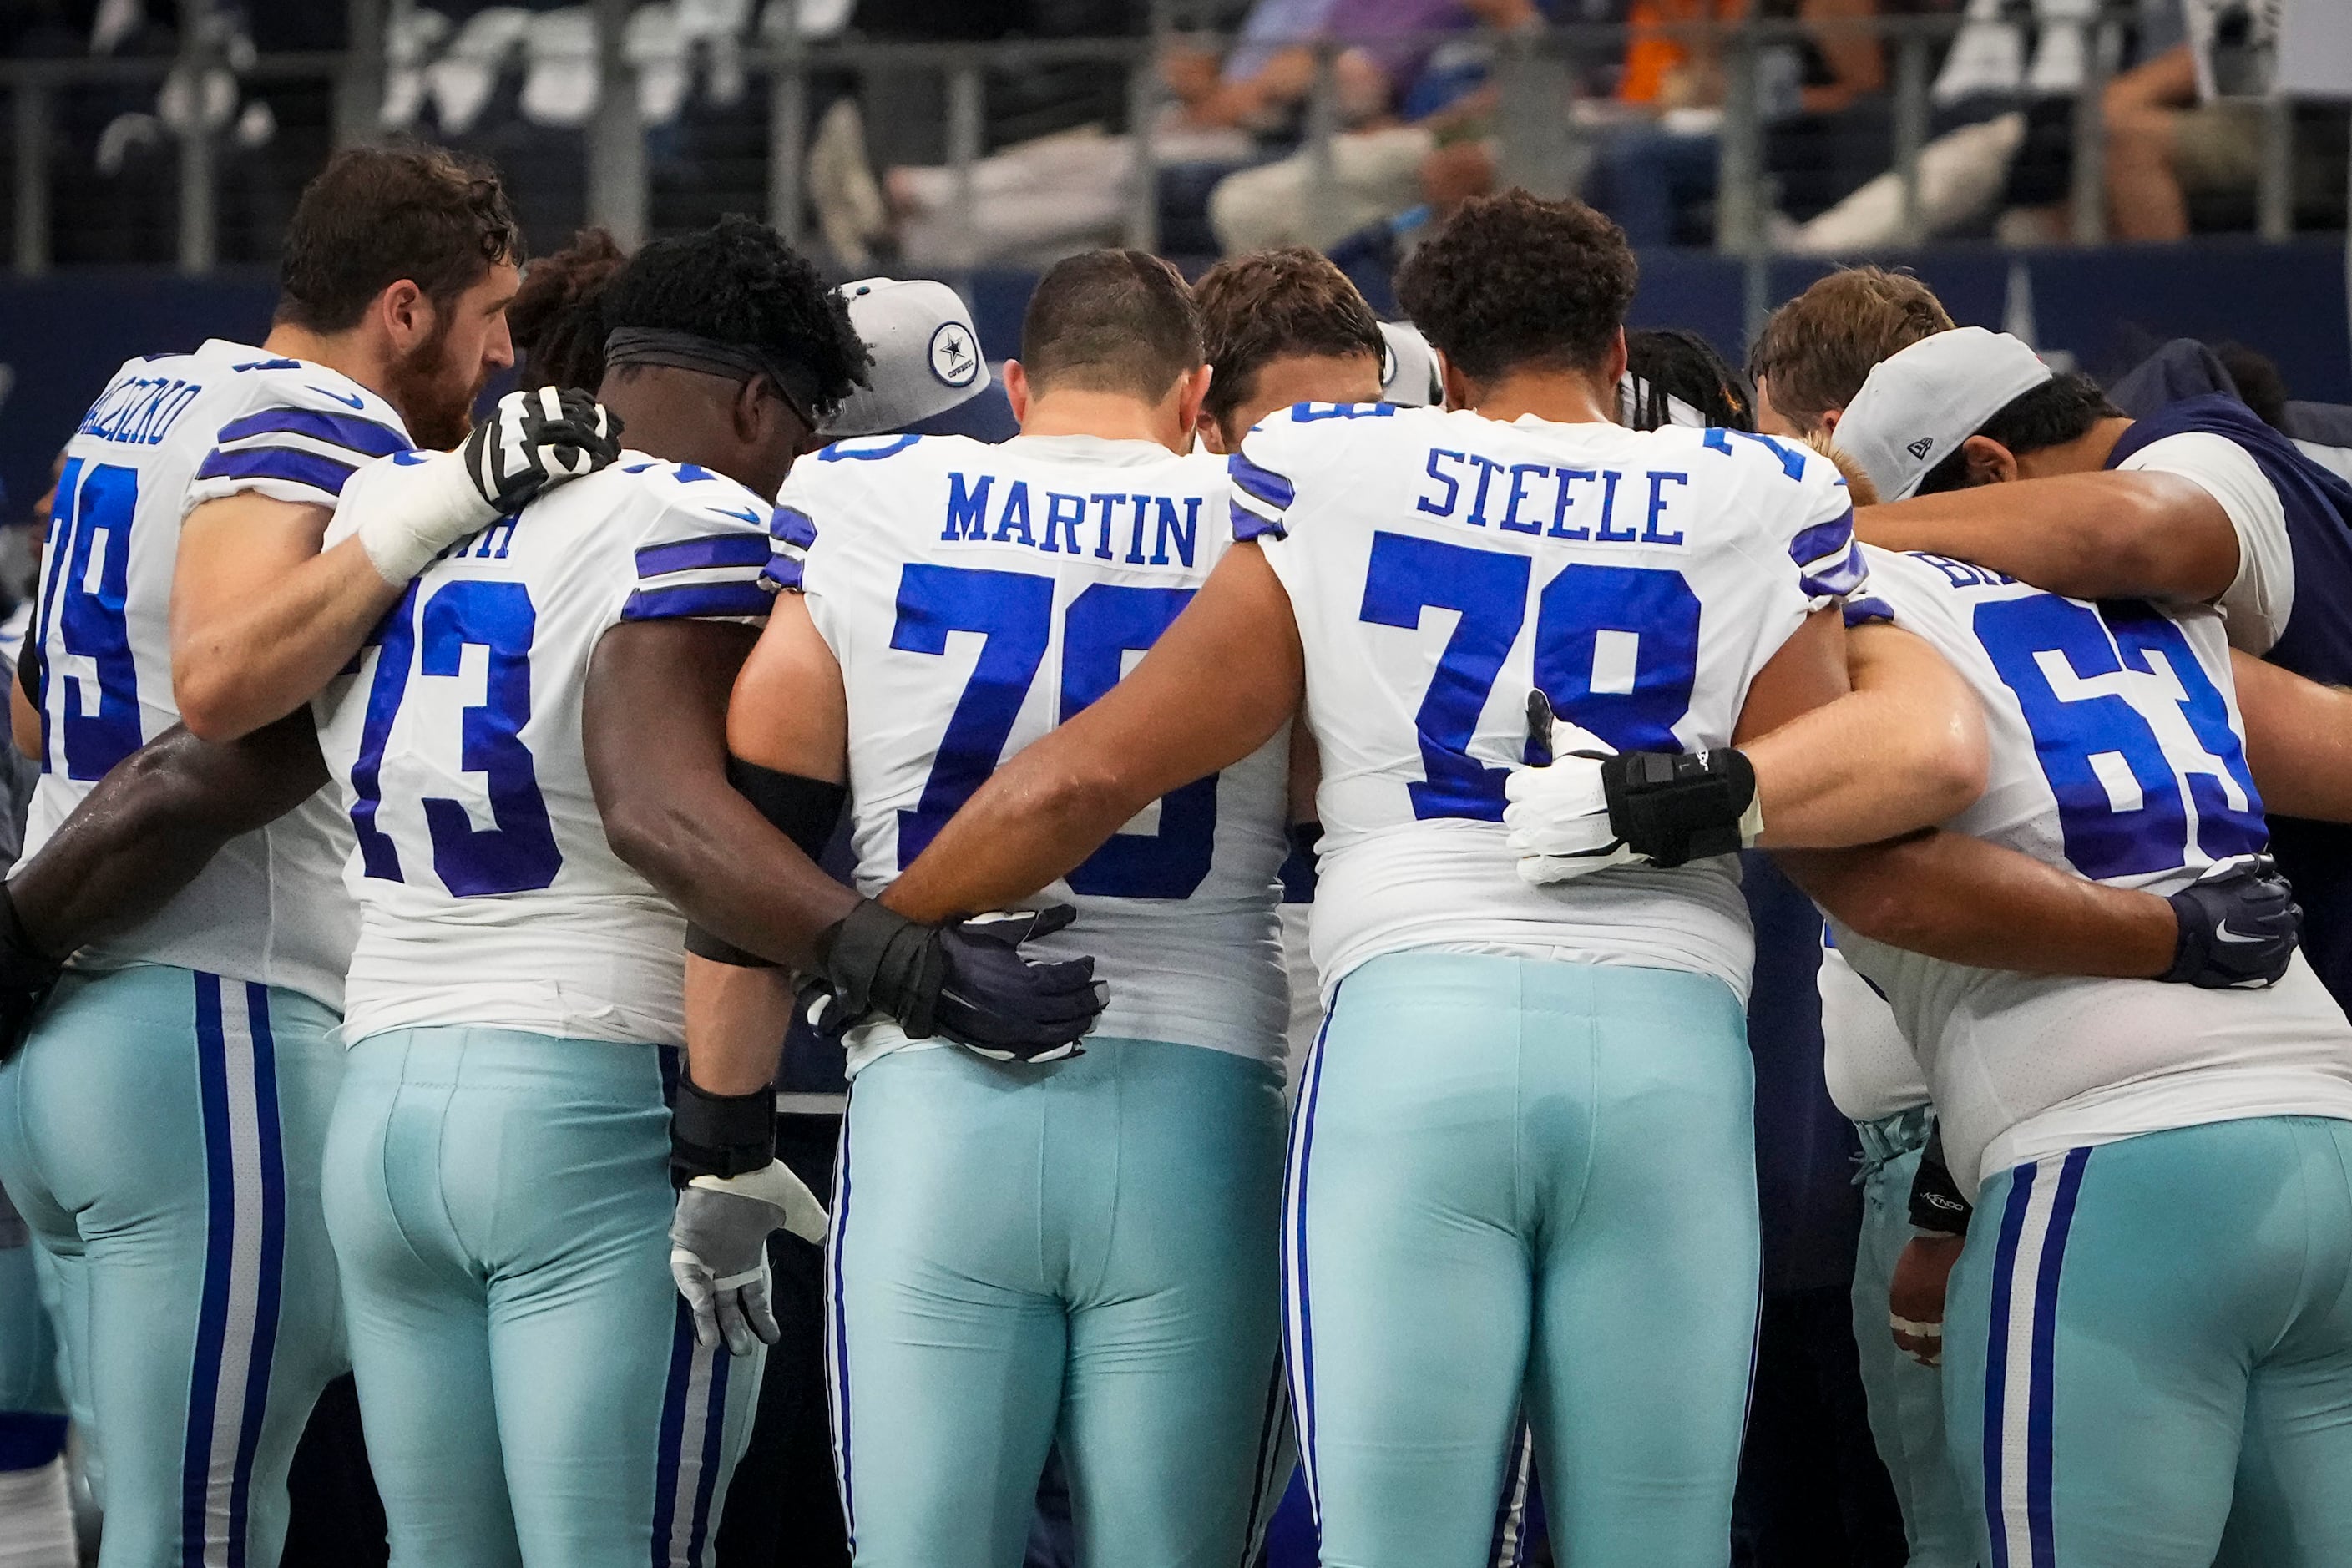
x: 28, y: 672
x: 804, y: 810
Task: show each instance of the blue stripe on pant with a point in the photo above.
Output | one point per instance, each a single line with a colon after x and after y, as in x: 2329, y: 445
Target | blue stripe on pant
x: 1519, y: 1184
x: 2148, y: 1351
x: 161, y: 1133
x: 1079, y: 1255
x: 531, y: 1394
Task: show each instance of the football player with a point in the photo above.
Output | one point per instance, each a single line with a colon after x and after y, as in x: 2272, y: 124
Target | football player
x: 1521, y: 1169
x: 497, y: 1182
x: 1028, y: 1253
x: 161, y: 1129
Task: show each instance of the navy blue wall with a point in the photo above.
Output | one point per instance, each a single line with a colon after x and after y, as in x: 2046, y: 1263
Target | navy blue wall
x: 61, y: 336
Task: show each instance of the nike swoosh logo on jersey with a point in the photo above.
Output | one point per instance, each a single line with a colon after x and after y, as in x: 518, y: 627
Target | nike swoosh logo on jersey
x: 341, y: 397
x: 745, y: 513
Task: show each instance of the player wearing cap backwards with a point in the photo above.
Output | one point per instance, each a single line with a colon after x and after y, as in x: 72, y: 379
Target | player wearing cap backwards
x: 499, y: 1167
x: 2199, y: 503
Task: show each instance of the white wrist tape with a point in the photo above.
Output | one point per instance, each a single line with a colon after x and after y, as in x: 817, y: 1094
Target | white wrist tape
x: 407, y: 508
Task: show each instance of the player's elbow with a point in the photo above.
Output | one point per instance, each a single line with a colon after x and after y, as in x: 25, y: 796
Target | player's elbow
x: 212, y: 707
x: 652, y: 833
x: 1950, y: 772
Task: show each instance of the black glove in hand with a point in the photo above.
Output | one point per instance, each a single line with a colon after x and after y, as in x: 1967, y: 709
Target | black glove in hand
x: 2238, y: 927
x: 26, y: 975
x: 536, y: 438
x: 966, y: 980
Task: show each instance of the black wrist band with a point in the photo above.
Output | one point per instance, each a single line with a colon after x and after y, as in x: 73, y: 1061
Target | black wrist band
x: 721, y: 1134
x: 1937, y: 1204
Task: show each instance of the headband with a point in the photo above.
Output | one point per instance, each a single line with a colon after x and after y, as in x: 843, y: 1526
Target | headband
x: 736, y: 361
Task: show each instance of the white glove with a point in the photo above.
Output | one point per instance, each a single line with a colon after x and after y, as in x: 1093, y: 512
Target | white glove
x: 408, y: 508
x: 719, y: 1250
x: 1559, y: 818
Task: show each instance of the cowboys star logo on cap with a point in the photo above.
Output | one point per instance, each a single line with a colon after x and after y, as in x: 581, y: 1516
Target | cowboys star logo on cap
x: 955, y: 359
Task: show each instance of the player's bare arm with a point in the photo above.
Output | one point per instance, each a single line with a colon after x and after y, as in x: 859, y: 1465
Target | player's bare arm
x: 1959, y: 899
x: 787, y: 714
x: 2298, y: 739
x: 2107, y: 535
x: 1055, y: 803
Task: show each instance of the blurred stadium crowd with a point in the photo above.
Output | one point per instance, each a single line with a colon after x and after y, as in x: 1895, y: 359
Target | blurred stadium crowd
x: 1330, y: 122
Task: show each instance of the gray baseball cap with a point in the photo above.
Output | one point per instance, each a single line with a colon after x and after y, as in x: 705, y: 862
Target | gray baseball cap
x: 927, y: 357
x: 1920, y: 404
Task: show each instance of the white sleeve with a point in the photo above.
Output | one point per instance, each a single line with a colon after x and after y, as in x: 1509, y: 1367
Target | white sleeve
x: 2256, y: 605
x: 297, y: 442
x: 702, y: 551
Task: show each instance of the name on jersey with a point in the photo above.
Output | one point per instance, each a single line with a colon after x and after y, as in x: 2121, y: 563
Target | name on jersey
x: 1107, y: 526
x: 1597, y: 504
x: 141, y: 411
x: 1964, y: 573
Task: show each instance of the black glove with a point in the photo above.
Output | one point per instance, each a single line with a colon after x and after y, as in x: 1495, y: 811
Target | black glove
x: 965, y: 979
x: 27, y: 973
x: 537, y: 437
x: 2238, y: 927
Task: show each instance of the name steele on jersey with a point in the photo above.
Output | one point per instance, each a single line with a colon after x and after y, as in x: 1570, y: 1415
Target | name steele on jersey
x: 1589, y: 496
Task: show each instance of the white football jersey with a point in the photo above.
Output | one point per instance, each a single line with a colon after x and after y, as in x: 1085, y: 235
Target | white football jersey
x: 2117, y: 752
x: 487, y: 891
x: 167, y: 434
x: 1441, y: 566
x: 1866, y: 1062
x: 978, y: 595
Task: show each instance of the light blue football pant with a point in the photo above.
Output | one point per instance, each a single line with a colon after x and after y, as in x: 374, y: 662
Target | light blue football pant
x: 1083, y: 1253
x: 2147, y: 1352
x: 529, y: 1381
x: 1516, y: 1179
x: 161, y: 1133
x: 29, y: 1294
x: 1905, y: 1399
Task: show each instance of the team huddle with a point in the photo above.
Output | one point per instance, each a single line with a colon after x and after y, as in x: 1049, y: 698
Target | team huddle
x: 423, y: 877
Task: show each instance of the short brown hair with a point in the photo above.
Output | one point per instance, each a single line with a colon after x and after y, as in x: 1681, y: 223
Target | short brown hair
x: 1111, y: 320
x: 1274, y: 304
x: 1816, y: 351
x: 376, y: 215
x: 1513, y: 280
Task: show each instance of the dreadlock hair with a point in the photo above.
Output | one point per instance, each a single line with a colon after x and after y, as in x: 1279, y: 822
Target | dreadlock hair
x: 737, y: 282
x: 557, y: 317
x: 1667, y: 361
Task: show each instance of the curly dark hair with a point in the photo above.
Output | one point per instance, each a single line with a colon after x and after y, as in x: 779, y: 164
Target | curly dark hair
x: 375, y: 215
x: 737, y: 282
x: 1670, y: 362
x: 558, y: 316
x: 1271, y: 305
x: 1513, y: 280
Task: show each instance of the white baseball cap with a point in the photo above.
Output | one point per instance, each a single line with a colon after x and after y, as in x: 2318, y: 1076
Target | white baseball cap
x: 1921, y: 403
x: 927, y: 357
x: 1409, y: 375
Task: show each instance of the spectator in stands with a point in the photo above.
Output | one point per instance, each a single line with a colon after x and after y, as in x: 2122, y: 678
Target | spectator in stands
x: 2189, y: 121
x: 1816, y: 351
x: 1042, y: 199
x: 1400, y: 96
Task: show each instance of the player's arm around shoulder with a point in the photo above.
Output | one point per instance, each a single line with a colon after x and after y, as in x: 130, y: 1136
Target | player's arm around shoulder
x: 2298, y: 739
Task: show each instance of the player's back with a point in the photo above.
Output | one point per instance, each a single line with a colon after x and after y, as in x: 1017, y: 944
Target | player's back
x: 2118, y: 753
x: 1442, y: 565
x: 490, y: 894
x: 168, y: 433
x: 978, y: 595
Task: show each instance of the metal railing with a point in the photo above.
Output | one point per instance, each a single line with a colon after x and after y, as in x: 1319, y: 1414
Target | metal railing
x: 1536, y: 145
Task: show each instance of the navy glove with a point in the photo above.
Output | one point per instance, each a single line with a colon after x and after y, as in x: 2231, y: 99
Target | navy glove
x: 26, y: 975
x: 2238, y: 927
x: 965, y: 981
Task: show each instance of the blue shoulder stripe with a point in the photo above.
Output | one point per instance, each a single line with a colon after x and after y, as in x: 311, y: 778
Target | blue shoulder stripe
x: 1263, y: 483
x: 342, y: 429
x: 785, y: 572
x: 1822, y: 539
x: 710, y: 549
x: 739, y: 598
x: 793, y: 526
x: 1248, y: 525
x: 1843, y: 578
x: 278, y: 463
